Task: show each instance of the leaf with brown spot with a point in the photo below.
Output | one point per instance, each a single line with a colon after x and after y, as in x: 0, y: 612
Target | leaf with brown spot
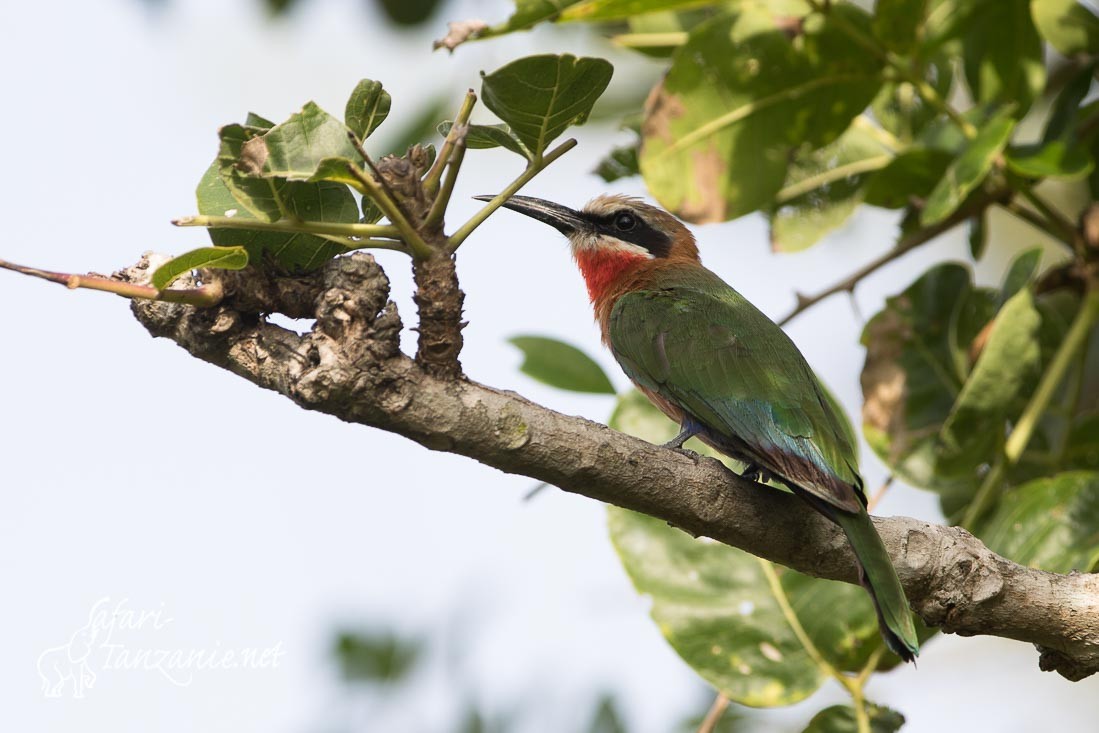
x: 740, y: 96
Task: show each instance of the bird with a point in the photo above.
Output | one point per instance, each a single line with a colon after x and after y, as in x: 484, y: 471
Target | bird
x: 724, y: 372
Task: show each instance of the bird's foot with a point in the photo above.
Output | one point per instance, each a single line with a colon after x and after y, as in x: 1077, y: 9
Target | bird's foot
x: 756, y: 474
x: 688, y: 431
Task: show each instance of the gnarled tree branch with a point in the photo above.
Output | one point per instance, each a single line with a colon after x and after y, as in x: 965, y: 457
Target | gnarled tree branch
x: 350, y: 366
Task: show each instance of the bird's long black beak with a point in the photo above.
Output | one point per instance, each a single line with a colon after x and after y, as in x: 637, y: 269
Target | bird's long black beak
x: 561, y: 218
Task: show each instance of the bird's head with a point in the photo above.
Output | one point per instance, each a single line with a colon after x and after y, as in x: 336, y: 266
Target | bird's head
x: 613, y: 238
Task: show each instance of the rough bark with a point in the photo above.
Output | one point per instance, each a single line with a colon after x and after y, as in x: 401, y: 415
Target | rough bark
x: 350, y: 366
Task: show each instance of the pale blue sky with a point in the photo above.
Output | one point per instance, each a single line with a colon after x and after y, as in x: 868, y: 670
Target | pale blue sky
x: 132, y: 471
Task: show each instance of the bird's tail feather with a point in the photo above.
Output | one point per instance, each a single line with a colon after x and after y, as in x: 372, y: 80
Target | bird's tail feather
x: 879, y: 577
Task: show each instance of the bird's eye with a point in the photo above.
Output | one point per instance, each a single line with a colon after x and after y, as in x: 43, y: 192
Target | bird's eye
x: 624, y: 221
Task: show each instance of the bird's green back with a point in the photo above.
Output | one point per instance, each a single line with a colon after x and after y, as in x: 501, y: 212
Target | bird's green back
x: 698, y: 343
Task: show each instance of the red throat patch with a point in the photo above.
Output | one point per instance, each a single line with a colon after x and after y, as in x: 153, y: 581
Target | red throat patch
x: 602, y: 267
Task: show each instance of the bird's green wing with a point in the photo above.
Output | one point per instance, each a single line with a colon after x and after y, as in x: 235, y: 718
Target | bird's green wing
x: 697, y: 343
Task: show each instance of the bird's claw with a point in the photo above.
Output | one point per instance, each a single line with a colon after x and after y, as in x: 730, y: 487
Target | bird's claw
x: 756, y: 474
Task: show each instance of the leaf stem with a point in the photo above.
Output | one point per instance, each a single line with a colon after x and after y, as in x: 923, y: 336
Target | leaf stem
x: 713, y: 716
x: 442, y: 199
x: 1023, y: 430
x: 1059, y: 225
x: 650, y: 40
x: 795, y: 624
x: 1036, y: 220
x: 435, y: 173
x: 533, y: 168
x: 905, y: 245
x: 296, y: 225
x: 203, y: 297
x: 420, y: 248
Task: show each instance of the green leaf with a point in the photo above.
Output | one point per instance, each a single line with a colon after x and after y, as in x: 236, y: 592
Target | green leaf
x: 916, y: 362
x: 619, y: 163
x: 222, y: 258
x: 367, y: 108
x: 968, y: 170
x: 328, y: 202
x: 841, y: 719
x: 1066, y: 113
x: 1003, y: 54
x: 1051, y: 523
x: 336, y: 170
x: 561, y: 365
x: 901, y: 110
x: 482, y: 137
x: 528, y: 13
x: 296, y: 148
x: 541, y: 96
x: 1022, y: 271
x: 823, y: 188
x: 716, y: 606
x: 601, y: 10
x: 239, y: 174
x: 376, y: 658
x: 999, y: 381
x: 1054, y: 159
x: 1068, y: 26
x: 912, y: 174
x: 740, y: 96
x: 897, y: 23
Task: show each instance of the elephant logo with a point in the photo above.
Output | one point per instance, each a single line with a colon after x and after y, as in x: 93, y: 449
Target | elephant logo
x: 70, y: 662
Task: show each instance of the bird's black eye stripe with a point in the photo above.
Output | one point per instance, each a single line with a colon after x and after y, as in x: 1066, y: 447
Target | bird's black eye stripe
x: 631, y: 227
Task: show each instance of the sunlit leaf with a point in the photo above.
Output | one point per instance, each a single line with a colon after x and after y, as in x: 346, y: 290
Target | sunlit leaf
x: 968, y: 170
x: 221, y: 258
x: 295, y: 148
x: 561, y: 365
x: 823, y: 188
x: 1000, y: 379
x: 593, y: 10
x: 740, y: 96
x: 1054, y: 159
x: 1069, y: 27
x: 541, y: 96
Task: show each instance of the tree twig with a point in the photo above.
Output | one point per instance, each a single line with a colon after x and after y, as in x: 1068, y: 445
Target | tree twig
x: 202, y: 297
x: 903, y: 247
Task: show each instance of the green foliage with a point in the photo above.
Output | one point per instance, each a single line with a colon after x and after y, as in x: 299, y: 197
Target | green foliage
x: 718, y: 132
x: 376, y: 658
x: 1050, y: 523
x: 367, y: 108
x: 1069, y: 27
x: 481, y: 137
x: 561, y: 365
x: 540, y: 96
x: 950, y: 368
x: 841, y: 719
x: 223, y: 258
x: 968, y: 170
